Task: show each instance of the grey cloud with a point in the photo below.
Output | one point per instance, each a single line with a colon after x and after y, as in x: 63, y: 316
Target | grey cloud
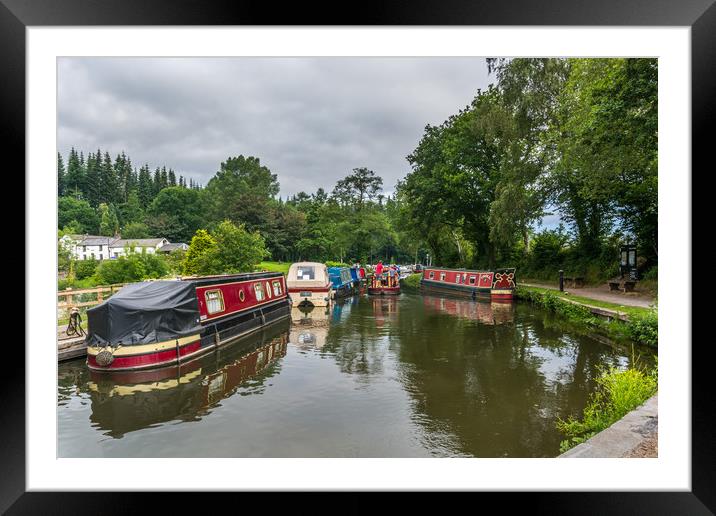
x: 310, y: 120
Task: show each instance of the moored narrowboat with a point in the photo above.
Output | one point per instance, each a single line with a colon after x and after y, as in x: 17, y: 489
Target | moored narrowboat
x: 342, y: 281
x: 160, y: 323
x: 497, y: 285
x: 308, y: 284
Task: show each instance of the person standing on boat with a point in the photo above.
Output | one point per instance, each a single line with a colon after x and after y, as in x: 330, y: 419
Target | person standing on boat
x: 379, y: 271
x: 391, y: 276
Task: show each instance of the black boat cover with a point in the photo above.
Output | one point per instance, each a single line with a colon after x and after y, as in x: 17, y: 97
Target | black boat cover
x: 144, y: 313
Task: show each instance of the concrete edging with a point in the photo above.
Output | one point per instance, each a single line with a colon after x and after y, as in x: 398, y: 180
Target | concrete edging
x: 623, y: 436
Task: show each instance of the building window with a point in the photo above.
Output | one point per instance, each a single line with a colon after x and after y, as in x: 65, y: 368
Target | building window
x: 214, y: 301
x: 101, y: 256
x: 259, y: 289
x: 84, y: 248
x: 277, y: 288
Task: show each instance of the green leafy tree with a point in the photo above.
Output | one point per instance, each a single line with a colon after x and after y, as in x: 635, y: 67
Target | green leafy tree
x: 109, y: 224
x: 357, y: 188
x: 202, y: 243
x: 241, y: 191
x: 79, y: 212
x: 176, y: 213
x: 136, y: 230
x: 236, y: 250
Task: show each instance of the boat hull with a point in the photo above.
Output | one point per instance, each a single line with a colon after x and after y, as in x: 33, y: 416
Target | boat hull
x: 215, y: 334
x: 497, y: 286
x: 310, y: 296
x: 383, y: 291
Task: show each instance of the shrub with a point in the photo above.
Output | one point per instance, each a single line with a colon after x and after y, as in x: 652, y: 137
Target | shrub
x: 644, y: 328
x: 85, y: 268
x: 618, y: 392
x: 336, y: 264
x: 130, y: 268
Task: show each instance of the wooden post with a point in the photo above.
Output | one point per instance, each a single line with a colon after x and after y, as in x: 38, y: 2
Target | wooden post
x: 561, y: 280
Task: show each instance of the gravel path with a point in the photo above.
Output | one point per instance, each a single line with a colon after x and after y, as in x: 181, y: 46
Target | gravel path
x: 604, y: 294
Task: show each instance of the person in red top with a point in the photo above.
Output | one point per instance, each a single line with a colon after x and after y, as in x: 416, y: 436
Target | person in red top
x: 379, y: 271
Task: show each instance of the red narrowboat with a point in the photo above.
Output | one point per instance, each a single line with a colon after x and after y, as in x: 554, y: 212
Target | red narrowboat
x: 497, y: 285
x: 160, y: 323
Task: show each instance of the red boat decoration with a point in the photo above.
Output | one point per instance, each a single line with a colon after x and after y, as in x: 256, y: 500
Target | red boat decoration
x: 497, y: 285
x: 160, y: 323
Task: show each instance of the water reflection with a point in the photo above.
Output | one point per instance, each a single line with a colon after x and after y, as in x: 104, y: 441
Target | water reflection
x: 129, y: 401
x: 384, y: 376
x: 486, y: 312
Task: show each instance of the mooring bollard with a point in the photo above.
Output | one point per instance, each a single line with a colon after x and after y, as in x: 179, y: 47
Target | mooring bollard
x: 561, y: 281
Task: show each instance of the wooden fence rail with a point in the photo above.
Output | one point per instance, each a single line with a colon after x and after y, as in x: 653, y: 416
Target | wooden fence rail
x: 66, y: 299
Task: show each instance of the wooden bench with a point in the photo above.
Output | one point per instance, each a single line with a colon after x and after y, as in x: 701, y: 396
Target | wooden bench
x: 575, y: 281
x: 625, y: 286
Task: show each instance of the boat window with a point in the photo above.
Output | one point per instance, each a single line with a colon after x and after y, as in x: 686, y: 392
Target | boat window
x: 260, y: 294
x: 277, y: 288
x: 472, y: 280
x: 306, y: 273
x: 214, y: 301
x: 268, y: 289
x: 242, y: 296
x: 432, y: 275
x: 442, y: 276
x: 458, y: 278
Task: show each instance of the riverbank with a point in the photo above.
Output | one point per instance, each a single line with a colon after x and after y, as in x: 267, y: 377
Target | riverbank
x: 618, y: 322
x: 634, y: 435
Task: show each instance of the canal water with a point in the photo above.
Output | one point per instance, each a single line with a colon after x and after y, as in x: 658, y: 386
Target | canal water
x: 407, y: 376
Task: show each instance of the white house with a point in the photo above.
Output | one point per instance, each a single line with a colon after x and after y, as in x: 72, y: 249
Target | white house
x: 149, y: 245
x: 93, y: 247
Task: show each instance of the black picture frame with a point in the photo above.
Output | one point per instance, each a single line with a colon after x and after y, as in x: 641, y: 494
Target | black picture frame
x: 699, y: 15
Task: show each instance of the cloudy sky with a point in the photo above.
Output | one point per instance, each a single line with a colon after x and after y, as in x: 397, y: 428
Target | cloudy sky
x: 310, y: 120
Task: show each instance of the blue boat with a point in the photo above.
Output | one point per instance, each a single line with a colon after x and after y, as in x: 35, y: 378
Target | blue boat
x: 355, y: 274
x: 342, y: 281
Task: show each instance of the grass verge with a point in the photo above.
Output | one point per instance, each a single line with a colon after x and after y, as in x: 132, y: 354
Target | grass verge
x: 411, y: 283
x: 274, y: 266
x: 642, y: 326
x: 618, y: 392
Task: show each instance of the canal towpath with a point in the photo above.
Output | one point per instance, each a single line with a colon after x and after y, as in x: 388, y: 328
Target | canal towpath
x: 602, y: 293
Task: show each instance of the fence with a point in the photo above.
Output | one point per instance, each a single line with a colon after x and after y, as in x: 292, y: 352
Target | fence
x: 83, y: 299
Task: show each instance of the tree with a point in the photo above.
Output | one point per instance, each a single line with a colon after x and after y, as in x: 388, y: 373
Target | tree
x: 360, y: 186
x: 240, y: 191
x: 175, y: 213
x: 145, y: 187
x: 77, y: 212
x: 136, y: 230
x: 202, y: 243
x: 131, y: 211
x: 93, y: 183
x: 109, y: 224
x: 236, y: 250
x: 75, y: 179
x: 61, y: 173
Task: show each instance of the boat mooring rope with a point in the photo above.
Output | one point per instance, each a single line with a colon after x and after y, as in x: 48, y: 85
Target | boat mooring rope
x: 74, y: 327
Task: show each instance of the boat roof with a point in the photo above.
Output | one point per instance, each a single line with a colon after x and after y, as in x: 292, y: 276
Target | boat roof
x: 501, y: 269
x: 230, y: 278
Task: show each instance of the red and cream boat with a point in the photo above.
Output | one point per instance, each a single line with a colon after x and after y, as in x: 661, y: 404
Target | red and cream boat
x: 497, y: 285
x: 160, y: 323
x: 309, y: 284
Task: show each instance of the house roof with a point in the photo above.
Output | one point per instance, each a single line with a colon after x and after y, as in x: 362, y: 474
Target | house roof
x: 173, y: 247
x: 137, y: 242
x: 96, y: 240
